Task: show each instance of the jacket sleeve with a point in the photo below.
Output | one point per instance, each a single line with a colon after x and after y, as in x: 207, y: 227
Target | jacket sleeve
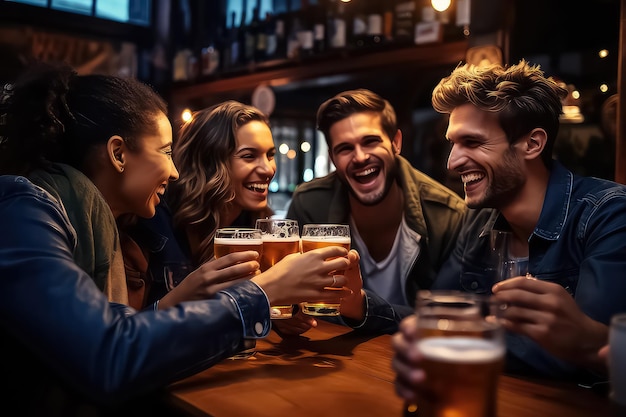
x: 380, y: 316
x: 108, y: 352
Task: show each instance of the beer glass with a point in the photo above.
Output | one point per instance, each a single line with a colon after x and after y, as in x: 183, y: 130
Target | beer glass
x: 238, y: 239
x: 280, y: 238
x: 462, y: 344
x: 617, y: 358
x: 315, y: 236
x: 508, y: 260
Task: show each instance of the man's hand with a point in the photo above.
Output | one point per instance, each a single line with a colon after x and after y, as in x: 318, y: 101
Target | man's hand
x: 407, y: 360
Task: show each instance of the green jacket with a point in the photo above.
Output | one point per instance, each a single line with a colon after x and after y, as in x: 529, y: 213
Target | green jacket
x: 430, y: 209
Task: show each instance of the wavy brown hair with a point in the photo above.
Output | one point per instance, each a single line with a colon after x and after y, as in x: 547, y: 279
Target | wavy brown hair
x: 202, y: 153
x: 520, y: 94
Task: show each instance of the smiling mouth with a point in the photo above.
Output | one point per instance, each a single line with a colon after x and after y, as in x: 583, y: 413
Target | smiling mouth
x: 472, y: 178
x: 257, y: 188
x: 366, y: 175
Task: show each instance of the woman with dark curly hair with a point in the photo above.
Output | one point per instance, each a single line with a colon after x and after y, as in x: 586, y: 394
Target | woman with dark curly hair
x: 95, y: 148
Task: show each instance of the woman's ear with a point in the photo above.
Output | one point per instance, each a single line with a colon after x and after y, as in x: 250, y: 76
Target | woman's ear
x: 115, y: 151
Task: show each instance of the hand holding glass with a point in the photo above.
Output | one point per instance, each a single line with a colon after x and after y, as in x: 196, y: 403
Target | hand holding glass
x: 281, y: 237
x: 462, y: 343
x: 233, y: 239
x: 315, y: 236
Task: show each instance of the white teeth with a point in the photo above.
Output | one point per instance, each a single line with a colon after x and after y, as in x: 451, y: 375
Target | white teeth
x: 257, y: 187
x: 364, y: 173
x: 471, y: 177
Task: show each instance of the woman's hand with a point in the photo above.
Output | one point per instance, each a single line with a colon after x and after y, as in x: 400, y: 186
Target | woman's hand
x: 306, y: 276
x: 213, y: 276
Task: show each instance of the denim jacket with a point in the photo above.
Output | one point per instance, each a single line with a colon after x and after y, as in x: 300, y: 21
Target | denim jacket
x: 579, y: 242
x: 66, y: 347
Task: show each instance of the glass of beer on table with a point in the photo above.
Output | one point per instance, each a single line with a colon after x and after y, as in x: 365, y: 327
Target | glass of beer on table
x: 462, y: 344
x: 281, y: 237
x: 238, y: 239
x: 315, y: 236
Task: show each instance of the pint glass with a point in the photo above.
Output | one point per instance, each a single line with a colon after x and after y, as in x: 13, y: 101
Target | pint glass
x: 281, y: 237
x: 238, y: 239
x: 462, y: 344
x: 315, y: 236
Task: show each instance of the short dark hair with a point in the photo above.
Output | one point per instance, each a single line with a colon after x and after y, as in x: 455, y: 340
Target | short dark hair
x: 355, y: 101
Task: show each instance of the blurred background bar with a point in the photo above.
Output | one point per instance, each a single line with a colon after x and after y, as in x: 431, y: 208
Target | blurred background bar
x: 288, y: 56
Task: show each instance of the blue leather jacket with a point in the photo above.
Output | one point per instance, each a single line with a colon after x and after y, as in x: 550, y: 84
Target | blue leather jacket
x: 67, y: 347
x: 579, y: 242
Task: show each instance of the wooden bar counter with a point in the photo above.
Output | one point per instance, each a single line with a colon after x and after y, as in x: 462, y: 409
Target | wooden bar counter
x: 333, y: 371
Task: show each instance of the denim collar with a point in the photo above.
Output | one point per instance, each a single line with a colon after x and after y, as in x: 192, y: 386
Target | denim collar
x: 555, y: 206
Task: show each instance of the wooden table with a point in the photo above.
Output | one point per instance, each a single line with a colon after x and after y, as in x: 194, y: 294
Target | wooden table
x: 332, y: 370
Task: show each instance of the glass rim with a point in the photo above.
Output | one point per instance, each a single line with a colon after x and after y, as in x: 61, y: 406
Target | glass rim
x: 619, y: 320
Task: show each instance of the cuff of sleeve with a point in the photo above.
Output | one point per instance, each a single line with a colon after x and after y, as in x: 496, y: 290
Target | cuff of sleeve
x: 254, y: 309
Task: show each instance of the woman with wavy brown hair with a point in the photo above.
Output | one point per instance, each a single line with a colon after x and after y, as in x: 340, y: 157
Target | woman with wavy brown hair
x: 225, y: 157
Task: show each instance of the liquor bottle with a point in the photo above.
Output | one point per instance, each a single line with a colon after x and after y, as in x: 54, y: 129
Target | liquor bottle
x: 260, y: 50
x: 250, y: 36
x: 374, y: 15
x: 281, y: 36
x: 209, y: 58
x: 271, y: 36
x: 405, y: 22
x: 388, y: 22
x: 319, y: 27
x: 358, y: 35
x: 305, y: 31
x: 336, y: 25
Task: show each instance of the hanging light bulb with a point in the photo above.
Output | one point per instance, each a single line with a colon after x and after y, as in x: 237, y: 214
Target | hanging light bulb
x: 440, y: 5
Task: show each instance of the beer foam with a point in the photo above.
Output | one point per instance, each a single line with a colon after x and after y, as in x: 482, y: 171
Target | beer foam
x: 271, y: 238
x: 240, y: 242
x: 460, y: 349
x: 343, y: 240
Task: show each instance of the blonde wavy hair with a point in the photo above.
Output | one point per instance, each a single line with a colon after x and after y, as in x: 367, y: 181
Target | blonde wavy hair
x: 202, y: 153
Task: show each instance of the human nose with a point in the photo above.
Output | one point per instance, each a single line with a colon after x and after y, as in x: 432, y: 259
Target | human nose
x: 359, y: 154
x: 268, y: 166
x: 455, y: 158
x: 173, y: 172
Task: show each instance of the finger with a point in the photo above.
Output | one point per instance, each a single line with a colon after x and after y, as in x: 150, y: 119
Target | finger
x: 528, y: 299
x: 234, y: 258
x: 330, y: 252
x: 527, y: 283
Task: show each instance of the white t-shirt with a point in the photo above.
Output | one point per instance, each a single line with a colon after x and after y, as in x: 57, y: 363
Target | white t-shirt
x: 387, y: 278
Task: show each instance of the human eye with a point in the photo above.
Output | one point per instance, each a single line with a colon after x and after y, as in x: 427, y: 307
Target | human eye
x: 271, y: 155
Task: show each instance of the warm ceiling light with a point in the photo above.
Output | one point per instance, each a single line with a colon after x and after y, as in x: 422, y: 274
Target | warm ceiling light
x: 186, y: 115
x: 604, y: 88
x: 603, y: 53
x: 440, y: 5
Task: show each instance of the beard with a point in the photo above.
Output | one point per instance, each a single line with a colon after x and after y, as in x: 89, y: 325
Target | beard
x: 372, y: 199
x: 507, y: 179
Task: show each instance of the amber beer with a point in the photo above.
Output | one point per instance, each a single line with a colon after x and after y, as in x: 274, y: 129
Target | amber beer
x: 281, y: 237
x: 275, y: 249
x: 462, y: 344
x: 462, y: 376
x: 316, y: 242
x: 224, y: 245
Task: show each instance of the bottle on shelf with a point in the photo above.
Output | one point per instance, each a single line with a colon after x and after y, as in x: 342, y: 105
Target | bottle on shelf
x: 305, y: 31
x: 374, y: 13
x: 405, y: 20
x: 250, y: 37
x: 359, y: 25
x: 231, y: 59
x: 260, y: 50
x: 336, y: 26
x: 271, y: 37
x: 319, y: 27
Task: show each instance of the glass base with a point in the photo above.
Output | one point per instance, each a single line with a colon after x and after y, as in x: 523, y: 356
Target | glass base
x: 248, y: 352
x: 281, y: 312
x: 320, y: 309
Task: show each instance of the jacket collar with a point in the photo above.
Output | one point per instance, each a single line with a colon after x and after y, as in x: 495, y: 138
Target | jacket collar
x: 555, y: 206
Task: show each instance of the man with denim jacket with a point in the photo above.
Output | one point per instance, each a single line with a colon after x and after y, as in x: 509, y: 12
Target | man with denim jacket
x: 502, y: 127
